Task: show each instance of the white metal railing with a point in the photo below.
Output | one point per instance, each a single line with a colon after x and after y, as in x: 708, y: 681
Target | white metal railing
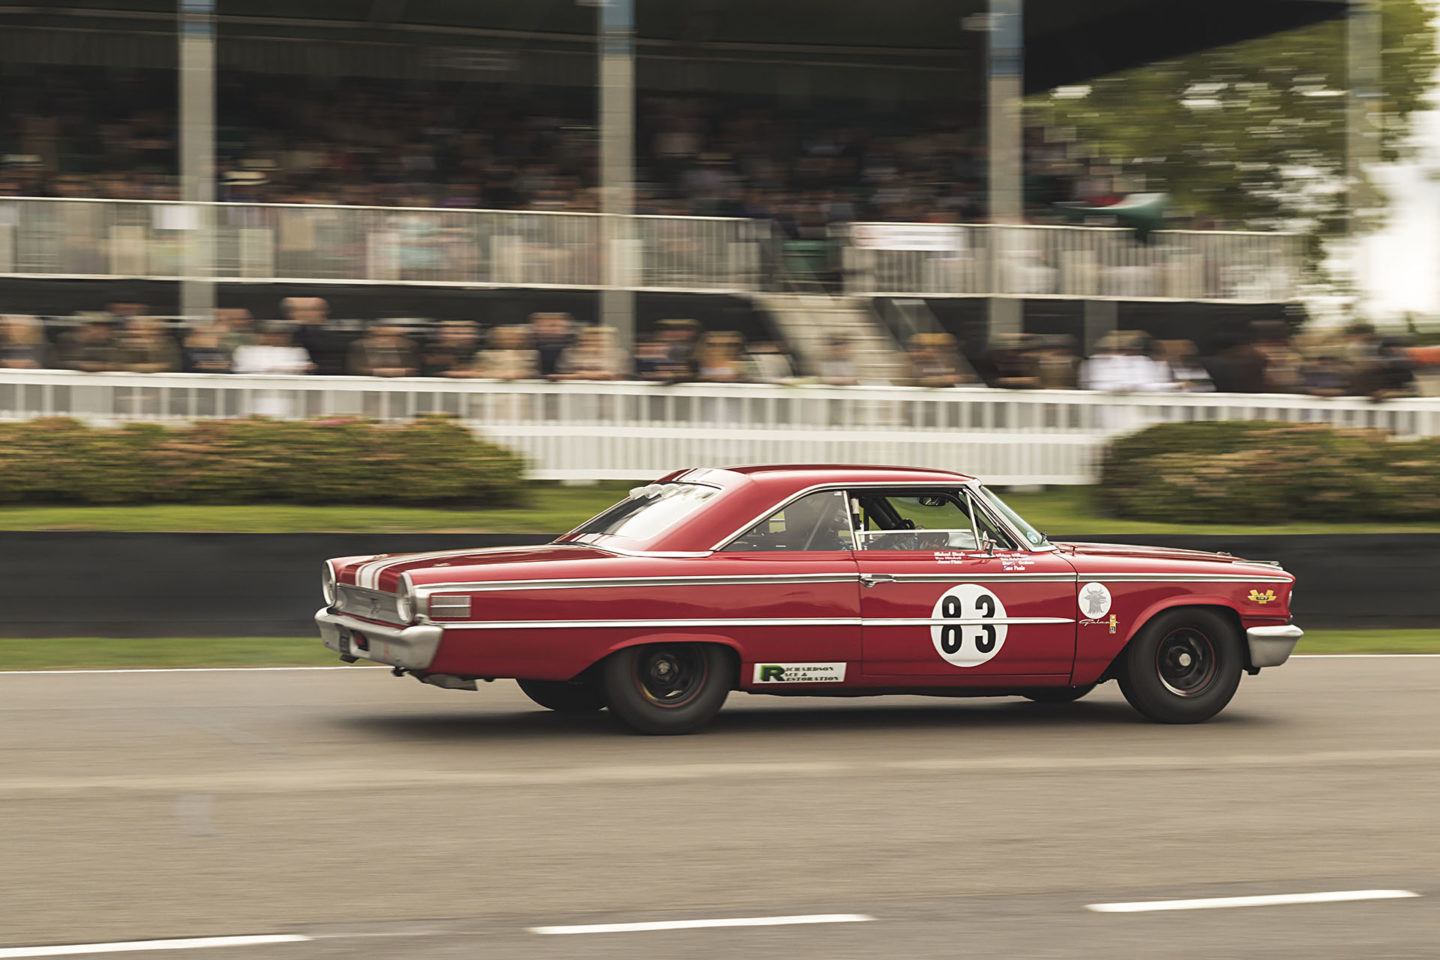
x: 640, y: 430
x: 348, y: 244
x: 1075, y: 262
x: 316, y: 243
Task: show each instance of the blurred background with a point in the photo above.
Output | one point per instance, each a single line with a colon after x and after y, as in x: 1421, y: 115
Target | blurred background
x: 282, y: 281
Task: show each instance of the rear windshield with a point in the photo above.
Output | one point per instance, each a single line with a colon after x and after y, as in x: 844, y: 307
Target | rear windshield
x: 647, y: 512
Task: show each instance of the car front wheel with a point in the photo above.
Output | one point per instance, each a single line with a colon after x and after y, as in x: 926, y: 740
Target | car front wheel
x: 564, y: 696
x: 1183, y: 666
x: 666, y: 688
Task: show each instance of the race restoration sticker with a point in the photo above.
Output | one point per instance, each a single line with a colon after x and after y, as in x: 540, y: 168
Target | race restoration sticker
x: 799, y: 673
x: 969, y: 640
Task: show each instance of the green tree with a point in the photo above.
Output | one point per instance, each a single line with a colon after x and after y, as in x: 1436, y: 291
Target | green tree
x: 1253, y: 134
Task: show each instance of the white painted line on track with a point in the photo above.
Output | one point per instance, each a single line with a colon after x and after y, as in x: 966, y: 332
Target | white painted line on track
x: 1266, y: 900
x: 132, y: 946
x: 703, y: 924
x: 61, y: 673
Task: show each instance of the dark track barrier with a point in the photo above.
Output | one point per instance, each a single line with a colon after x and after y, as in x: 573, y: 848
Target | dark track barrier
x: 239, y: 584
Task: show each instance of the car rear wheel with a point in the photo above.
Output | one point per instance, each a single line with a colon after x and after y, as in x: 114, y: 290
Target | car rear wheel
x: 665, y: 688
x: 565, y: 696
x: 1183, y: 666
x: 1058, y: 694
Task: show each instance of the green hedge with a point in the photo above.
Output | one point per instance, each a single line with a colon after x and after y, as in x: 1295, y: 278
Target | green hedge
x: 431, y: 460
x: 1230, y: 471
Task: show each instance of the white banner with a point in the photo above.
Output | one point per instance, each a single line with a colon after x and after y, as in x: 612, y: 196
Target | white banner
x: 934, y: 237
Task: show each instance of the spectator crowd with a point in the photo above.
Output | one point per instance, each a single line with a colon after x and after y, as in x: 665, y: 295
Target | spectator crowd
x: 1357, y: 361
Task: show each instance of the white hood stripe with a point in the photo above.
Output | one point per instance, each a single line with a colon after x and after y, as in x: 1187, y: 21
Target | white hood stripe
x: 368, y: 574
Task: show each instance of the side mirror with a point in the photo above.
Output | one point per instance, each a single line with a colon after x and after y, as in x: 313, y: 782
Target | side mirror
x: 987, y: 544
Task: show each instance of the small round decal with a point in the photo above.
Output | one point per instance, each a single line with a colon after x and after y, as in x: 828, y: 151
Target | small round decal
x: 969, y: 641
x: 1094, y: 601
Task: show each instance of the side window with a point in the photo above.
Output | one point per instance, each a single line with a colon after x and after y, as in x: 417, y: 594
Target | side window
x: 814, y: 522
x: 938, y: 520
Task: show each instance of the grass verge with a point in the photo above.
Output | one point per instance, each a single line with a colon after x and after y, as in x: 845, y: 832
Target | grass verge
x: 108, y: 653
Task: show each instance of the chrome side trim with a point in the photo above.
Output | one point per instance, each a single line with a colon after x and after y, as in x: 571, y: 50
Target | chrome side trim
x: 412, y: 648
x: 571, y: 583
x: 1271, y: 646
x: 962, y: 621
x: 1182, y: 578
x: 984, y: 577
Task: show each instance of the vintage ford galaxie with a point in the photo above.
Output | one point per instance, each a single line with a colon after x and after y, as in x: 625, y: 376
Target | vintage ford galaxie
x: 824, y: 580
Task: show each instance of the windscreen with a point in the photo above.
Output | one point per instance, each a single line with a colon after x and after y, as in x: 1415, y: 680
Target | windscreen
x: 1035, y: 537
x: 647, y: 512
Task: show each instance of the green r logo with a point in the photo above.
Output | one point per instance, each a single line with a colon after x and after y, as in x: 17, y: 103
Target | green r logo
x: 771, y: 672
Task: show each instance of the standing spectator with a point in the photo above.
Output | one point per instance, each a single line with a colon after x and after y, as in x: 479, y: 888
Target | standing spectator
x: 592, y: 357
x: 90, y: 348
x: 653, y: 363
x: 205, y: 350
x: 1237, y: 368
x: 146, y: 346
x: 1123, y: 365
x: 451, y: 353
x: 236, y: 328
x: 510, y: 355
x: 934, y: 361
x: 1282, y: 361
x: 681, y: 339
x: 552, y: 334
x: 384, y: 351
x: 837, y: 368
x: 22, y: 343
x: 276, y: 353
x: 309, y: 317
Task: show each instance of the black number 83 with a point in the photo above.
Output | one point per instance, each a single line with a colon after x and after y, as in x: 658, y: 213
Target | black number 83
x: 952, y: 636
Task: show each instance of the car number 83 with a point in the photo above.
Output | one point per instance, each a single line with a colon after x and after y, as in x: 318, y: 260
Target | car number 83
x: 959, y: 628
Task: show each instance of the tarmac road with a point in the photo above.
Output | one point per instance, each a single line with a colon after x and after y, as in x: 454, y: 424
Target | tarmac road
x: 385, y: 819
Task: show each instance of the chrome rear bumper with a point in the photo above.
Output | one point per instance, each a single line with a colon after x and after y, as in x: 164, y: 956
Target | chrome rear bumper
x: 1271, y: 646
x: 413, y: 648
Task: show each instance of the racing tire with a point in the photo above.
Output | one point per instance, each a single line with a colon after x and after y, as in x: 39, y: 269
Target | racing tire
x: 563, y: 696
x: 1052, y: 695
x: 1183, y: 666
x: 668, y: 688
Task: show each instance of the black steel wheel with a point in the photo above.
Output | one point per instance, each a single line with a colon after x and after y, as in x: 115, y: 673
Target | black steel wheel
x: 1058, y: 694
x: 565, y: 696
x: 664, y: 688
x: 1183, y: 666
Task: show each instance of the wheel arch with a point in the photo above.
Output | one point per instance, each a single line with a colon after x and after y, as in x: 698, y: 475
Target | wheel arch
x: 727, y: 643
x: 1214, y: 604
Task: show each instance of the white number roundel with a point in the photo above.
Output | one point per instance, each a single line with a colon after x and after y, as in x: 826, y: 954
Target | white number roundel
x: 969, y: 641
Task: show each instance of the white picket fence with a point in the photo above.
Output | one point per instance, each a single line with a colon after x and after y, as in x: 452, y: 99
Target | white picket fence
x: 577, y: 431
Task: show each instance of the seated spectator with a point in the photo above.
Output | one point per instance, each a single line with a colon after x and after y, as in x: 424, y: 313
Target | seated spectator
x: 719, y: 357
x: 552, y: 334
x: 146, y: 346
x: 768, y: 363
x: 1123, y: 365
x: 276, y: 353
x: 681, y: 338
x: 593, y: 356
x: 934, y: 361
x: 384, y: 351
x: 837, y: 367
x: 509, y: 355
x: 653, y: 363
x: 89, y: 348
x: 1057, y: 363
x: 451, y: 352
x: 205, y: 350
x: 22, y: 343
x: 1185, y: 368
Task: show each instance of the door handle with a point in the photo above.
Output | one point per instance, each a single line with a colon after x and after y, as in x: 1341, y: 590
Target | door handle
x: 870, y: 579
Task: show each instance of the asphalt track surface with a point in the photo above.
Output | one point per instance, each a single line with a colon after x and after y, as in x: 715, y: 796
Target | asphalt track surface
x: 385, y: 819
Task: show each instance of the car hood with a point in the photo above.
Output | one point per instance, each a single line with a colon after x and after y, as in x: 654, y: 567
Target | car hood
x: 1089, y: 556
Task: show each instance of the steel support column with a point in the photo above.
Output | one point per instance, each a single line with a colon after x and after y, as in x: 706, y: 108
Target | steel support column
x: 1004, y: 181
x: 197, y: 156
x: 618, y: 256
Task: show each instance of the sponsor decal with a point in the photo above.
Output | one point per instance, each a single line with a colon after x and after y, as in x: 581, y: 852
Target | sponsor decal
x: 1015, y: 563
x: 1262, y: 598
x: 969, y: 641
x: 1113, y: 623
x: 1094, y: 600
x: 799, y: 673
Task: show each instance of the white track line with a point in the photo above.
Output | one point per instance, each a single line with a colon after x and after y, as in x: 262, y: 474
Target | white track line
x: 131, y: 946
x: 1268, y: 900
x: 703, y: 924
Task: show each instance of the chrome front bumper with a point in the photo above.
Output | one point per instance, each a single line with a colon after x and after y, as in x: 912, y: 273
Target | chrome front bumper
x: 1271, y: 646
x: 410, y: 647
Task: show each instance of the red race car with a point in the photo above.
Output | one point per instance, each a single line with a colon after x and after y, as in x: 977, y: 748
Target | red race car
x: 819, y: 580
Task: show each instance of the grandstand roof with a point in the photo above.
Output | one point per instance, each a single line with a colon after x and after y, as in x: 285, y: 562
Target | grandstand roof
x: 1066, y: 41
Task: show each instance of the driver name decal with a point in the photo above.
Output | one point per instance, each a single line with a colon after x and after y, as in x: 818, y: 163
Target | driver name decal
x: 968, y: 638
x: 799, y: 673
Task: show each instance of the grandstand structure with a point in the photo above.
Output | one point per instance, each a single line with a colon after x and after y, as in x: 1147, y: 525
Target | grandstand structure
x: 496, y: 99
